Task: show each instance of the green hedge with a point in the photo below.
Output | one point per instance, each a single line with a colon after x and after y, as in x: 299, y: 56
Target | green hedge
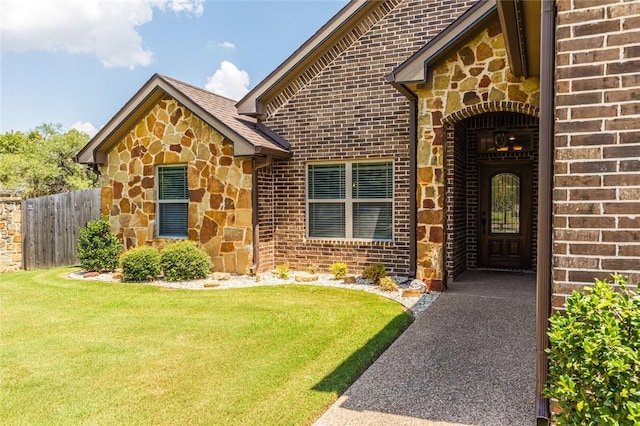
x: 140, y: 264
x: 182, y: 260
x: 98, y: 247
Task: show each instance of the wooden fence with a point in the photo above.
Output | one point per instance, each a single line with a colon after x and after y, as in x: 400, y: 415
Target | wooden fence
x: 50, y: 227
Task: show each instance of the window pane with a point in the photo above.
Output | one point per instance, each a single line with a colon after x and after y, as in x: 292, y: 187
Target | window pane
x: 173, y: 219
x: 372, y: 180
x: 172, y: 183
x: 505, y: 204
x: 326, y: 181
x: 327, y: 220
x: 373, y: 221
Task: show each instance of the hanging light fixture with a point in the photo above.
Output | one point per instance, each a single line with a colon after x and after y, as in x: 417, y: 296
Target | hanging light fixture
x: 501, y: 139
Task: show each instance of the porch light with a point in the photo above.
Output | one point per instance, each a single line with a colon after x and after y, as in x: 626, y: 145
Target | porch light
x: 505, y: 141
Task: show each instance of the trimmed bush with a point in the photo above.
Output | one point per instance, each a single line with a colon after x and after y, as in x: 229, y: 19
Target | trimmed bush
x: 388, y: 284
x: 375, y: 272
x: 339, y: 270
x: 140, y: 264
x: 594, y: 362
x: 282, y: 271
x: 98, y: 247
x: 182, y: 260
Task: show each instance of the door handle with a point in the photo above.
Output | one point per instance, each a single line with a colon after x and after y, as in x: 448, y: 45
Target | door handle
x: 484, y: 223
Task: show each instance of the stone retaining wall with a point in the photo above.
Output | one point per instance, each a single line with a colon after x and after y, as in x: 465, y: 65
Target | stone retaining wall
x: 10, y: 233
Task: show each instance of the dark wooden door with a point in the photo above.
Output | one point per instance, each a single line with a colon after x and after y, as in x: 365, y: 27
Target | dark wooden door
x: 505, y: 215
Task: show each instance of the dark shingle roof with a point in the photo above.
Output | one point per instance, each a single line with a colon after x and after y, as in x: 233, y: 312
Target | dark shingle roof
x: 249, y: 136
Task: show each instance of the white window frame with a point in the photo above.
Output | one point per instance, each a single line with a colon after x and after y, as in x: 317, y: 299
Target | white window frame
x: 159, y: 201
x: 349, y: 201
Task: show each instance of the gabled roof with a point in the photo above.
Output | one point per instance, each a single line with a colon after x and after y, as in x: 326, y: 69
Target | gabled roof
x: 316, y: 53
x: 414, y: 69
x: 520, y: 27
x: 247, y: 135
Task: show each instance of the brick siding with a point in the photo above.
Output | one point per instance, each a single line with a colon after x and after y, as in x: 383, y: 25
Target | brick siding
x: 597, y: 144
x: 347, y: 112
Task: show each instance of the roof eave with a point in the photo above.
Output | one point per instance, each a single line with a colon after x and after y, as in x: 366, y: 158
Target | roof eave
x: 414, y: 69
x: 143, y: 101
x: 251, y: 104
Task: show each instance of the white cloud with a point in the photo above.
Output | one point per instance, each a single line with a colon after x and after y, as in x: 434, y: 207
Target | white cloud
x: 227, y: 45
x: 229, y: 81
x: 105, y: 28
x: 86, y: 127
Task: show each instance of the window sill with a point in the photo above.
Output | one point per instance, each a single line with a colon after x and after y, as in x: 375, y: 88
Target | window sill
x: 350, y: 242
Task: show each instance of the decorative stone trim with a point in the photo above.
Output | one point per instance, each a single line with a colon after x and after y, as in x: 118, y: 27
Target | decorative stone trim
x: 362, y: 27
x: 495, y: 106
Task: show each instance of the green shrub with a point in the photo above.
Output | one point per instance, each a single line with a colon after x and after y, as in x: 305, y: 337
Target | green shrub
x: 140, y: 264
x: 388, y: 284
x: 182, y: 260
x: 98, y: 247
x: 339, y: 270
x: 282, y: 271
x: 594, y: 362
x: 375, y: 272
x: 312, y: 268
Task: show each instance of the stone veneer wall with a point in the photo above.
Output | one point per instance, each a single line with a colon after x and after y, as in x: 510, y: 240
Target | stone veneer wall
x: 10, y: 233
x: 345, y: 111
x: 596, y: 226
x: 220, y: 215
x: 476, y: 74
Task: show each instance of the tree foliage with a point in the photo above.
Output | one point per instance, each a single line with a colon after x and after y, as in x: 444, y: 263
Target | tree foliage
x: 41, y: 162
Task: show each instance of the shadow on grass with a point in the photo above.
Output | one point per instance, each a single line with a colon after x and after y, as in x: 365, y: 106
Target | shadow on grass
x: 346, y: 373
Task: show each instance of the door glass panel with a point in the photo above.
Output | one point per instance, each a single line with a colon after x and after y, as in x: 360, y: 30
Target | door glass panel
x: 505, y: 204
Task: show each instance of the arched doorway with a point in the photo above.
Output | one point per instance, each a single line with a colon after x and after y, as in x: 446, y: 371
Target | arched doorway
x: 491, y: 169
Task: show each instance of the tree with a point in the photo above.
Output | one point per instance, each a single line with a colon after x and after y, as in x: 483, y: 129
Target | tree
x: 41, y: 162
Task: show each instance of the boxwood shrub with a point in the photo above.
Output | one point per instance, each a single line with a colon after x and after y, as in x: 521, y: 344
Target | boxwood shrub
x: 375, y: 272
x: 140, y: 264
x: 98, y: 247
x: 594, y: 356
x: 182, y: 260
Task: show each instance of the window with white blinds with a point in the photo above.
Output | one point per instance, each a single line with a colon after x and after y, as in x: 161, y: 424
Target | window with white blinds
x: 351, y: 200
x: 173, y: 201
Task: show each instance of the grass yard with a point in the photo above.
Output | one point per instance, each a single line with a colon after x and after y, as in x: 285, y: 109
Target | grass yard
x: 85, y: 352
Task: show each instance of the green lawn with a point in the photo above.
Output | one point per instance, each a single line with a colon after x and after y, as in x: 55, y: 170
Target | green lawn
x: 86, y: 352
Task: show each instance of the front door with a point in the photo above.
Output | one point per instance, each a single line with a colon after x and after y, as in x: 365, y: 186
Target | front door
x: 505, y: 217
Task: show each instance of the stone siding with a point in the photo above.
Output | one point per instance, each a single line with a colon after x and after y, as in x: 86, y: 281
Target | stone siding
x: 475, y: 78
x: 347, y: 112
x: 10, y: 233
x: 597, y: 144
x: 220, y: 215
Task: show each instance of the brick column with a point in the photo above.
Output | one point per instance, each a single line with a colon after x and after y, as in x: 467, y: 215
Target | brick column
x: 597, y: 144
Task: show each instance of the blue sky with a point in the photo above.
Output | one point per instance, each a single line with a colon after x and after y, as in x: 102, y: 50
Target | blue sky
x: 77, y: 62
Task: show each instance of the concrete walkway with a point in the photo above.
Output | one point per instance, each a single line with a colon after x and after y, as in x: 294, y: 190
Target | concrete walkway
x: 467, y: 360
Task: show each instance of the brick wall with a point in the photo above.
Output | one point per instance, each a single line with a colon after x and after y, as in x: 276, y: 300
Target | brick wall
x: 347, y: 112
x: 597, y: 144
x: 10, y: 233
